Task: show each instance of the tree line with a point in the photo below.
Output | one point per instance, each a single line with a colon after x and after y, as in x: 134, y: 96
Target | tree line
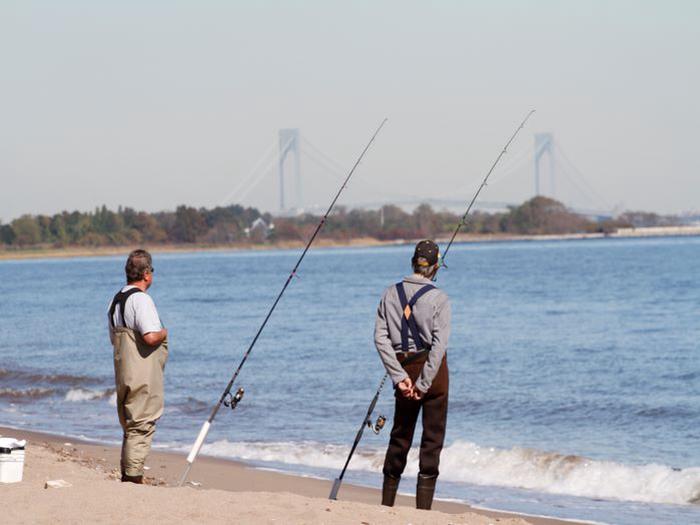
x: 126, y: 226
x: 237, y: 224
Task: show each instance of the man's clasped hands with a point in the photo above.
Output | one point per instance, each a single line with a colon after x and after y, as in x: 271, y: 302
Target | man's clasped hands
x: 409, y: 390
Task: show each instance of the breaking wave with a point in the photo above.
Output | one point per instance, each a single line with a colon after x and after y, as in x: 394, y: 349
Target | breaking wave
x: 20, y: 386
x: 521, y: 468
x: 54, y: 379
x: 82, y: 394
x: 25, y: 394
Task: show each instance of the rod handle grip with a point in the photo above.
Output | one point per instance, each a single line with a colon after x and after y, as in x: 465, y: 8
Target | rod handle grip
x: 334, y: 491
x: 198, y: 442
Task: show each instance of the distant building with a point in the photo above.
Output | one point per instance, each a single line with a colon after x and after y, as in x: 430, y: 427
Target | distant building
x: 690, y: 218
x: 259, y: 229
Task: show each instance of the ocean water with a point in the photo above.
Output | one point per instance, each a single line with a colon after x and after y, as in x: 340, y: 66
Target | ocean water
x: 575, y: 366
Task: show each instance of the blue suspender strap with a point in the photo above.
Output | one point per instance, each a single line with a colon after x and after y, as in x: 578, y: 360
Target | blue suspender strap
x: 419, y: 294
x: 404, y: 324
x: 411, y: 321
x: 408, y: 321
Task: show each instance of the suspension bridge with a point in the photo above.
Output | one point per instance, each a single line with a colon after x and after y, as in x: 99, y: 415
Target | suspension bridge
x: 291, y: 163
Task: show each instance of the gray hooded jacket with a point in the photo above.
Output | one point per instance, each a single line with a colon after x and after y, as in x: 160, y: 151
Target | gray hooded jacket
x: 432, y: 314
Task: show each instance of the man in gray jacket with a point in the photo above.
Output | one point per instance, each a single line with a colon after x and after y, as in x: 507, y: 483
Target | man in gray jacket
x: 411, y: 333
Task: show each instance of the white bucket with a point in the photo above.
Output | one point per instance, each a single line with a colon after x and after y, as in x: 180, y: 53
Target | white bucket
x: 11, y: 460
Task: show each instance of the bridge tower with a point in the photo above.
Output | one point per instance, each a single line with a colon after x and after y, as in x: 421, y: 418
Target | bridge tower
x: 289, y: 145
x: 544, y: 143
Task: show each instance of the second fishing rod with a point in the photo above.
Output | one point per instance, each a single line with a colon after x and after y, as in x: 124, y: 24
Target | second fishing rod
x: 227, y: 398
x: 381, y: 420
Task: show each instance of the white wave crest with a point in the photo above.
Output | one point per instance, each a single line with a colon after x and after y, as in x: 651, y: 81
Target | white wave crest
x: 307, y: 453
x: 517, y: 467
x: 573, y: 475
x: 81, y: 394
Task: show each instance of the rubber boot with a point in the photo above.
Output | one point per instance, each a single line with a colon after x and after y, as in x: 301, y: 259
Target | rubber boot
x: 133, y: 479
x: 425, y: 488
x: 389, y: 488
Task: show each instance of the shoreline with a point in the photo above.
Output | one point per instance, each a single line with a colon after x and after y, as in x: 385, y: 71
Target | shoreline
x: 212, y: 475
x: 359, y: 242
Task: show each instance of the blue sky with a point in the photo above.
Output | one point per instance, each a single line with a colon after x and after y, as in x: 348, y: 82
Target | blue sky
x: 155, y: 104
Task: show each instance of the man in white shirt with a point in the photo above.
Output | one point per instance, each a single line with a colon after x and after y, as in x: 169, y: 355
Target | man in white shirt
x: 140, y: 352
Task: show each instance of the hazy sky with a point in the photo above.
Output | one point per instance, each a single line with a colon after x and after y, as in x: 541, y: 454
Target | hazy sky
x: 152, y: 104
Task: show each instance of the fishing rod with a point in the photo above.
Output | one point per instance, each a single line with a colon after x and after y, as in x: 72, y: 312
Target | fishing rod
x: 381, y: 420
x: 231, y: 400
x: 376, y: 427
x: 483, y: 184
x: 366, y: 423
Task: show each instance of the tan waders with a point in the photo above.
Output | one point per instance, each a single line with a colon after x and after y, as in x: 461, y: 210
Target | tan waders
x: 138, y: 372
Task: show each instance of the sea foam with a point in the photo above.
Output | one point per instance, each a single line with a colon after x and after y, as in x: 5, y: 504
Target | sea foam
x: 517, y: 467
x: 82, y: 394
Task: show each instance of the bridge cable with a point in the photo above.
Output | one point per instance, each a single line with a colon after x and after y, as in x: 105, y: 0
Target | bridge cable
x: 250, y: 175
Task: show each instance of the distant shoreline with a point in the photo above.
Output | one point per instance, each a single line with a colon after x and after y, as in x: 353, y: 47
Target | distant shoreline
x: 69, y: 252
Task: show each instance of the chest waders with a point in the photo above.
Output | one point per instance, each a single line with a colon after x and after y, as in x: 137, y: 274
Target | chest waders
x: 462, y: 222
x: 138, y: 375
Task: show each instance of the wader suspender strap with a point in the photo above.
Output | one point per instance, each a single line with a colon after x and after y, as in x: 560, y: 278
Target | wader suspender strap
x: 121, y: 298
x: 408, y: 321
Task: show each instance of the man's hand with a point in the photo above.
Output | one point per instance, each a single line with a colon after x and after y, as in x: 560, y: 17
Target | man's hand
x: 405, y: 387
x: 416, y: 394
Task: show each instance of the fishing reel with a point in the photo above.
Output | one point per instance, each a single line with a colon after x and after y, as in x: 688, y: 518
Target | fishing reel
x: 232, y: 400
x: 378, y: 425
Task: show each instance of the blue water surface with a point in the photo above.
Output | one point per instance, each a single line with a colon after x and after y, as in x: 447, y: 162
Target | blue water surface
x: 581, y: 348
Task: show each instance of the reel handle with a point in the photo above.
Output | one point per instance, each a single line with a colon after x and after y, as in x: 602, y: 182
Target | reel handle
x: 378, y: 425
x: 233, y: 400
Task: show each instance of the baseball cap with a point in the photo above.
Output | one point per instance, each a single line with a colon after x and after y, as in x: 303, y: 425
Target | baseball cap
x: 426, y: 253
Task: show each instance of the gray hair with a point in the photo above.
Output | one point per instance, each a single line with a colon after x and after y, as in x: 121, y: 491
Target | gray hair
x: 138, y: 263
x: 423, y: 269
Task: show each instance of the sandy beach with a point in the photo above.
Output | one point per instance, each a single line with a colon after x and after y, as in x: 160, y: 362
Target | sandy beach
x: 218, y: 491
x: 69, y: 252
